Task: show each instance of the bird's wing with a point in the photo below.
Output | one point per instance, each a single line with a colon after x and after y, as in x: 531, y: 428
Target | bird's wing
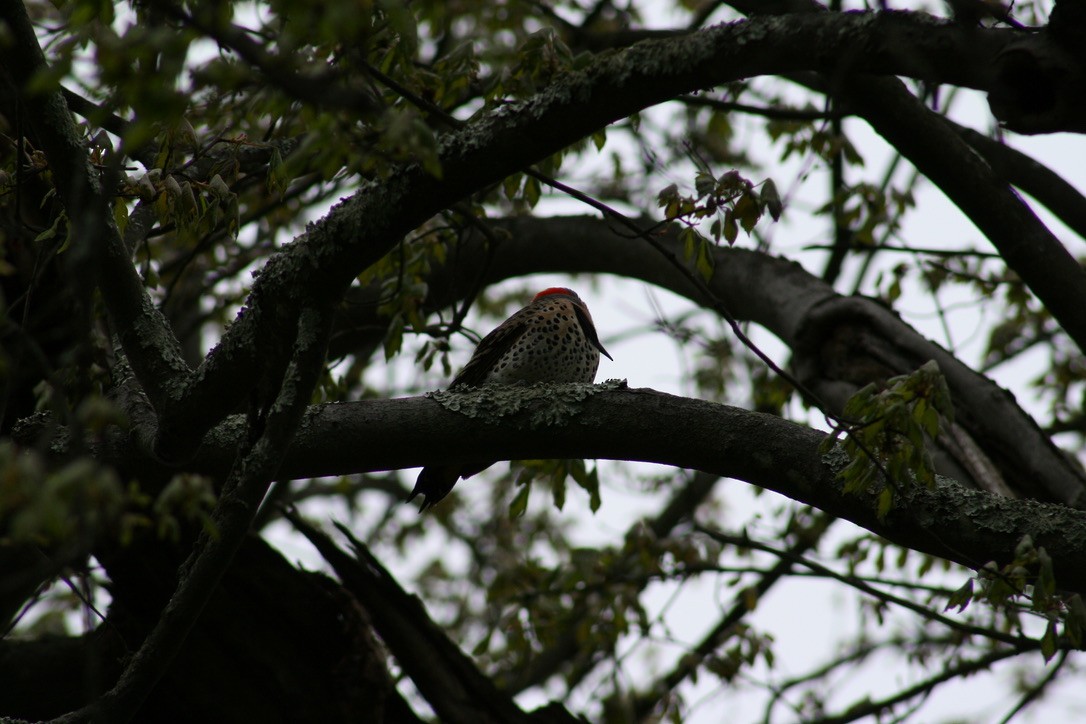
x: 589, y: 331
x: 489, y: 351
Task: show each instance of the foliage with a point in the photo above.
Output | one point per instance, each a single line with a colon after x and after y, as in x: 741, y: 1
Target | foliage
x: 890, y: 432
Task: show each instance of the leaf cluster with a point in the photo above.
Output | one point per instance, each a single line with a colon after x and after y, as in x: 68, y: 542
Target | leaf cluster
x: 889, y: 432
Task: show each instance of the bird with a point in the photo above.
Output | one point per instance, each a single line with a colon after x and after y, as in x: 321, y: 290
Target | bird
x: 552, y: 339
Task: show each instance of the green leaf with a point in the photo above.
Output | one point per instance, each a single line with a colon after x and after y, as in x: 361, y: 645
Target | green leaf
x: 689, y: 238
x: 731, y: 229
x: 483, y: 645
x: 851, y: 154
x: 961, y: 597
x: 558, y: 491
x: 1075, y: 623
x: 278, y: 174
x: 120, y: 215
x: 51, y: 231
x: 532, y: 191
x: 747, y: 212
x: 394, y: 337
x: 519, y: 504
x: 590, y: 482
x: 828, y: 442
x: 511, y: 185
x: 704, y: 183
x: 705, y: 263
x: 886, y: 502
x: 930, y: 421
x: 771, y: 198
x: 1048, y: 642
x: 402, y: 22
x: 600, y: 138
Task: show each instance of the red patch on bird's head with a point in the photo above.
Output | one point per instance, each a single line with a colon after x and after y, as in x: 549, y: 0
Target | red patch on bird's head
x: 555, y: 290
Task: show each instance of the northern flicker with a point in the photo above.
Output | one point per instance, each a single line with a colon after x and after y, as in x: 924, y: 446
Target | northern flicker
x: 550, y: 340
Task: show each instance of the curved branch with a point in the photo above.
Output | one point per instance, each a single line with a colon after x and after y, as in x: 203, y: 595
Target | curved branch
x: 1021, y: 79
x: 966, y: 526
x: 938, y: 152
x: 800, y: 309
x: 1036, y: 179
x: 777, y: 294
x: 359, y: 231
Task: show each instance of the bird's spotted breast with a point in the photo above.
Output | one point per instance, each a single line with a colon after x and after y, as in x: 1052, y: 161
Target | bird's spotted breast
x: 551, y: 348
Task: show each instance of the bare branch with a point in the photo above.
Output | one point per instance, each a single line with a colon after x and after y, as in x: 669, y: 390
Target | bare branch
x: 726, y: 627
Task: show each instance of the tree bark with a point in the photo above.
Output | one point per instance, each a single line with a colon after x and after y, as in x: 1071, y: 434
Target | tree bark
x: 969, y: 527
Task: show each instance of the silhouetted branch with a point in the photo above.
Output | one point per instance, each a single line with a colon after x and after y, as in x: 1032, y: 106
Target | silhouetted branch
x: 448, y: 679
x: 232, y: 517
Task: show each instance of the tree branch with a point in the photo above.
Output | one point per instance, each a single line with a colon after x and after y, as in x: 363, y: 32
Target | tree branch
x: 725, y: 628
x: 938, y: 152
x: 447, y: 678
x: 800, y: 309
x: 929, y: 142
x: 1036, y: 179
x: 326, y: 89
x: 966, y: 526
x: 359, y: 231
x: 949, y: 673
x: 796, y: 557
x: 565, y: 645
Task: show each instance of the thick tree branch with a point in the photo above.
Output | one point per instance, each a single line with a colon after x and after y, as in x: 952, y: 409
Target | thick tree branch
x: 966, y: 526
x: 777, y: 294
x: 275, y: 645
x: 980, y: 187
x: 929, y: 142
x: 938, y: 152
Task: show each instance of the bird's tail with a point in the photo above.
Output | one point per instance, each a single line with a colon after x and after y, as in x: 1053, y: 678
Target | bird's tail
x: 435, y: 483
